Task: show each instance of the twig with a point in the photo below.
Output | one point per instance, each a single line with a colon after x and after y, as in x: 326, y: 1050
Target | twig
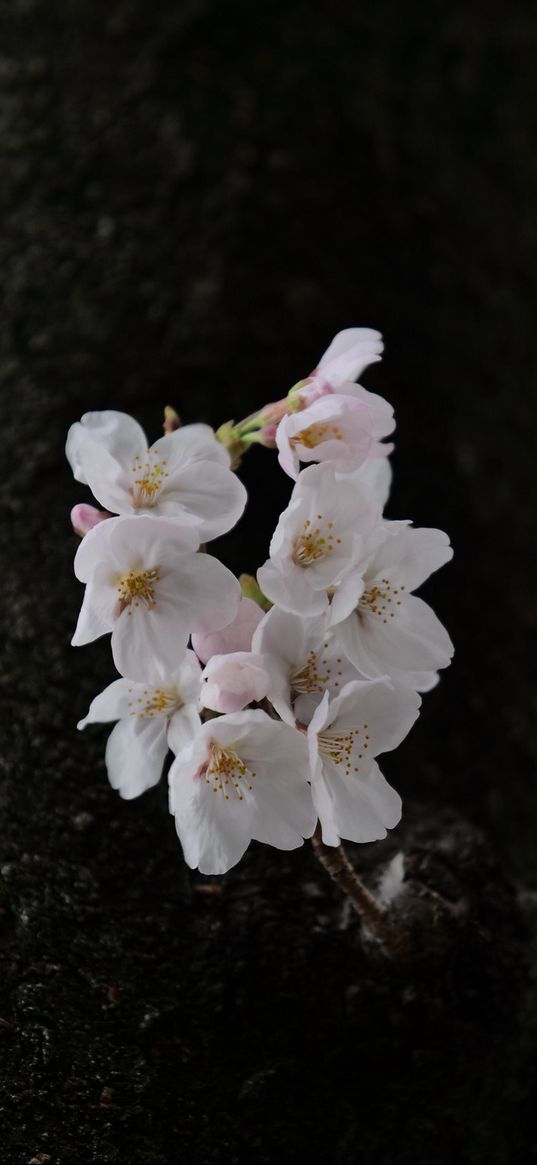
x: 376, y: 918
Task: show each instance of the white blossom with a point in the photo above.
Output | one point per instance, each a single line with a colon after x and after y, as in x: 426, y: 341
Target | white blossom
x: 352, y: 798
x: 146, y: 584
x: 152, y: 717
x: 303, y: 661
x: 333, y: 428
x: 244, y: 778
x: 185, y: 475
x: 319, y: 539
x: 390, y: 631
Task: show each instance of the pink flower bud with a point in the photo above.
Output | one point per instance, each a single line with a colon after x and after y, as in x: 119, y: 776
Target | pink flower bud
x: 230, y: 682
x: 84, y: 518
x: 237, y: 636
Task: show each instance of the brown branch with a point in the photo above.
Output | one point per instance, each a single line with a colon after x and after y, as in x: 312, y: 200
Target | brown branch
x: 375, y: 917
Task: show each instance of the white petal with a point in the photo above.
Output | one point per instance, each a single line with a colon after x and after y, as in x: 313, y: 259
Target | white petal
x: 414, y: 641
x: 147, y: 643
x: 284, y: 813
x: 237, y: 636
x: 127, y: 542
x: 351, y: 350
x: 135, y: 754
x: 209, y: 491
x: 407, y: 556
x: 111, y: 704
x: 117, y: 432
x: 213, y: 832
x: 291, y: 590
x: 96, y: 615
x: 380, y: 410
x: 357, y: 807
x: 108, y: 480
x: 387, y: 710
x: 191, y: 443
x: 376, y: 474
x: 183, y: 727
x: 210, y: 590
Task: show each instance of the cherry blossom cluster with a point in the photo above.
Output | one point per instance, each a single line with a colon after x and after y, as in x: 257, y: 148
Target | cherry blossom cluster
x: 275, y: 696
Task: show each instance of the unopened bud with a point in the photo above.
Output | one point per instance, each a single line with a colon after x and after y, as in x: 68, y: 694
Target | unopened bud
x: 84, y: 518
x: 172, y: 420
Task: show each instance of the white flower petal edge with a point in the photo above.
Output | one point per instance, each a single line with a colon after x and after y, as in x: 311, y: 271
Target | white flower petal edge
x: 148, y: 587
x: 351, y: 797
x: 244, y: 778
x: 152, y: 718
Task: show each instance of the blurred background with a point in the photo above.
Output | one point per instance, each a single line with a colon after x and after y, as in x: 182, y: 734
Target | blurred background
x: 195, y: 197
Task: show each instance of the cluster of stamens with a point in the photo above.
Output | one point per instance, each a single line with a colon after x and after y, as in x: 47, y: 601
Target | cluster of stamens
x: 149, y: 478
x: 309, y: 678
x: 155, y: 702
x: 378, y: 599
x: 225, y: 771
x: 314, y: 434
x: 314, y: 542
x: 340, y: 747
x: 137, y: 588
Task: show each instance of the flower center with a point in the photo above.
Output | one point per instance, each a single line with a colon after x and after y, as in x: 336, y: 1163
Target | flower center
x: 340, y: 747
x: 149, y: 477
x: 309, y: 677
x: 226, y: 773
x: 137, y: 588
x: 380, y: 596
x: 155, y: 702
x: 315, y: 433
x: 314, y: 542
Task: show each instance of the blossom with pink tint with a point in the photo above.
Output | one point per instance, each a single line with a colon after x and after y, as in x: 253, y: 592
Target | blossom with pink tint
x: 335, y: 428
x: 84, y: 518
x: 230, y: 682
x: 237, y: 636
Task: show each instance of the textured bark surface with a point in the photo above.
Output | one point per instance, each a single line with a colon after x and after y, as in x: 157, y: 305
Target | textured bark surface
x: 195, y: 197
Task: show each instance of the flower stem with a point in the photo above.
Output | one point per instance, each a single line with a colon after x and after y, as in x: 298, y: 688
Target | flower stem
x: 376, y: 918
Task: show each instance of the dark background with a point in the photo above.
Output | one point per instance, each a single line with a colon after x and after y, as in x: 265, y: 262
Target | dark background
x: 195, y: 197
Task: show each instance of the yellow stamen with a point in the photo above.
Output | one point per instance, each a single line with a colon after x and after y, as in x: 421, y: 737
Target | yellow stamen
x: 149, y: 477
x: 226, y: 773
x: 314, y: 543
x: 379, y: 597
x: 137, y: 588
x: 312, y: 436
